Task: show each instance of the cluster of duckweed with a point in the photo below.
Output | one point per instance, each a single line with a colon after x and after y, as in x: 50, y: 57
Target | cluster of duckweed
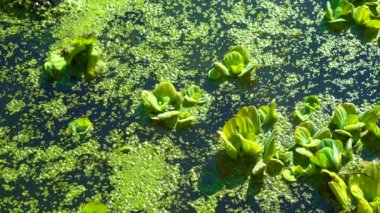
x: 129, y: 164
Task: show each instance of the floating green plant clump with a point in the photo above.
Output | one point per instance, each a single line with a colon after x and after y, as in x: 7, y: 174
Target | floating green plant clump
x: 309, y: 105
x: 365, y: 14
x: 241, y: 137
x: 80, y: 127
x: 237, y: 62
x: 173, y: 109
x: 93, y: 207
x: 82, y: 59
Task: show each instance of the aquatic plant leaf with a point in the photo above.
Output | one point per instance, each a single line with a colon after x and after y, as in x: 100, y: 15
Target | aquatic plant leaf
x: 343, y: 132
x: 373, y: 24
x: 194, y: 95
x: 310, y: 126
x: 56, y: 66
x: 323, y: 134
x: 329, y: 155
x: 339, y: 189
x: 150, y: 101
x: 253, y: 114
x: 309, y: 105
x: 93, y: 59
x: 375, y: 204
x: 243, y: 52
x: 354, y: 127
x: 239, y: 132
x: 93, y: 207
x: 368, y: 180
x: 303, y: 137
x: 304, y: 152
x: 339, y: 118
x: 361, y: 15
x: 80, y: 127
x: 369, y: 116
x: 297, y: 171
x: 218, y: 71
x: 348, y: 149
x: 363, y: 205
x: 268, y: 114
x: 234, y: 61
x: 166, y: 95
x: 270, y: 146
x: 259, y: 168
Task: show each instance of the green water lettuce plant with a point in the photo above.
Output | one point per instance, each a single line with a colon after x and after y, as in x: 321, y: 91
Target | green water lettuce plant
x: 337, y: 10
x: 93, y: 207
x: 239, y: 138
x: 80, y: 127
x: 365, y: 187
x: 268, y: 114
x: 339, y: 189
x: 309, y: 105
x: 371, y: 137
x: 194, y: 95
x: 81, y: 59
x: 237, y: 62
x: 307, y: 137
x: 56, y: 66
x: 172, y: 109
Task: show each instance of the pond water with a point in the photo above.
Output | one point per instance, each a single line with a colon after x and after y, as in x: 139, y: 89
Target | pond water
x: 43, y: 169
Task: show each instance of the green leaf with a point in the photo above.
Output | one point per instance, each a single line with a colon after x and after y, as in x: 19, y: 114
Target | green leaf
x: 218, y: 71
x: 329, y: 155
x: 240, y: 133
x: 167, y: 95
x: 228, y: 146
x: 94, y: 207
x: 194, y: 95
x: 361, y: 15
x: 253, y: 114
x: 150, y: 101
x: 339, y: 118
x: 268, y: 114
x: 243, y: 52
x: 370, y: 116
x: 302, y: 137
x: 323, y: 133
x: 80, y: 127
x: 270, y: 146
x: 373, y: 24
x: 339, y: 189
x: 56, y: 66
x: 310, y: 126
x: 368, y: 180
x: 234, y: 61
x: 363, y: 205
x: 304, y: 152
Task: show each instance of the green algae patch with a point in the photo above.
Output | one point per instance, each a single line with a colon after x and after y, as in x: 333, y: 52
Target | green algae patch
x: 143, y: 179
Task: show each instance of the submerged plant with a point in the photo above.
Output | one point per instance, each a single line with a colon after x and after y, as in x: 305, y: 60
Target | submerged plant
x: 167, y: 106
x: 80, y: 127
x: 237, y: 62
x: 82, y: 59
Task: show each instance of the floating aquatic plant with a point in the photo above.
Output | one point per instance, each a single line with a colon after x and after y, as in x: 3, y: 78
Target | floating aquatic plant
x: 194, y: 95
x: 237, y: 62
x: 93, y: 207
x: 82, y: 59
x: 337, y: 10
x: 339, y: 189
x: 80, y: 127
x: 309, y: 105
x: 365, y: 187
x: 371, y: 136
x: 167, y: 106
x: 308, y: 137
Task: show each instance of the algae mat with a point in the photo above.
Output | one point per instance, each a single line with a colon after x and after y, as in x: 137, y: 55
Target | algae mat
x: 42, y: 169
